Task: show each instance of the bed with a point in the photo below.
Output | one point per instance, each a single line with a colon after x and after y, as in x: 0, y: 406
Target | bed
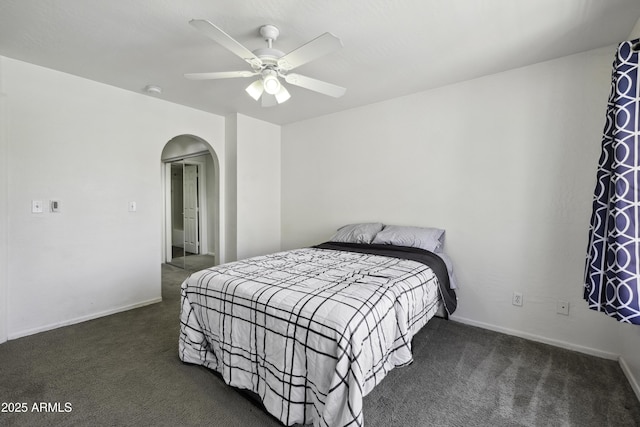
x: 311, y: 331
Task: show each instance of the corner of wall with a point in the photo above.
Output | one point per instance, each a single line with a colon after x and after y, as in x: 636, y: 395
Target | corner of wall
x: 635, y: 33
x: 258, y: 187
x: 630, y: 354
x: 628, y: 372
x: 4, y: 216
x: 231, y: 186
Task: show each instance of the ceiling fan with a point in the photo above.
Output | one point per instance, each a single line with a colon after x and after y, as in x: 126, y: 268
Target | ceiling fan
x: 271, y: 64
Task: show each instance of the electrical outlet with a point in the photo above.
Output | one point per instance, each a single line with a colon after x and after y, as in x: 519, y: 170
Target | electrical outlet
x: 562, y: 307
x: 517, y: 299
x: 37, y: 206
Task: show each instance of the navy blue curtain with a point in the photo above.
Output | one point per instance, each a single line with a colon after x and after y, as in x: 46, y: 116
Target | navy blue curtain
x: 612, y: 273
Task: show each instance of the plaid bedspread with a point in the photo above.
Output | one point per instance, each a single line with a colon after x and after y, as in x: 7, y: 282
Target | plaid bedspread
x: 310, y: 331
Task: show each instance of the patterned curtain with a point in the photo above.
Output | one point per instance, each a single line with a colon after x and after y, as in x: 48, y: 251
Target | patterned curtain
x: 612, y: 273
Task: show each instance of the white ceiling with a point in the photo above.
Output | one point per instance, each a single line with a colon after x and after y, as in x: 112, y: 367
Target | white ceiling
x: 391, y: 48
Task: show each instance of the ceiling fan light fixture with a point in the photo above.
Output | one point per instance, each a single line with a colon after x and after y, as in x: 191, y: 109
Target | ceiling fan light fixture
x: 283, y: 95
x: 271, y: 83
x: 255, y: 89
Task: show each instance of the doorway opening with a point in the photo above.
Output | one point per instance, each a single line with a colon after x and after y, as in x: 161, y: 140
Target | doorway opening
x: 191, y: 204
x: 187, y: 199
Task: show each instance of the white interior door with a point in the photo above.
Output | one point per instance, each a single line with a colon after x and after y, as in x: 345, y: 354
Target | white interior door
x: 190, y: 186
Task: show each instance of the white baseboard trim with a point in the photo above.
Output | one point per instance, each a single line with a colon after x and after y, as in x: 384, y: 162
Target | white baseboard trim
x: 26, y: 332
x: 627, y: 373
x: 538, y: 338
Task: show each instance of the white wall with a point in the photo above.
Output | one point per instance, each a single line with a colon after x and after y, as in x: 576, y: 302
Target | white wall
x: 94, y: 148
x: 258, y: 187
x: 253, y: 187
x: 505, y: 163
x: 231, y: 186
x: 4, y: 216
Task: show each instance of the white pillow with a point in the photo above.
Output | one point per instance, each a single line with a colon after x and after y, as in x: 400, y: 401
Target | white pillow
x: 357, y: 233
x: 430, y: 239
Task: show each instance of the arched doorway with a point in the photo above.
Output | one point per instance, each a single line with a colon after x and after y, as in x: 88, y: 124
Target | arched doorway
x: 191, y: 192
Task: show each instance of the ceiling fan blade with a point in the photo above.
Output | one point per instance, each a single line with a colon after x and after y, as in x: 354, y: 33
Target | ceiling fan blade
x: 269, y: 100
x: 219, y: 36
x: 316, y: 48
x: 219, y: 75
x: 315, y: 85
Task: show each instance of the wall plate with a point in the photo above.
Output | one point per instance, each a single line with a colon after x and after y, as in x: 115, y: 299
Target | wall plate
x: 37, y: 206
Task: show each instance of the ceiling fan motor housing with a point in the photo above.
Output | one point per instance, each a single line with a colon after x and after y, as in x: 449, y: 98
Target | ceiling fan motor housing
x: 269, y: 55
x: 270, y: 33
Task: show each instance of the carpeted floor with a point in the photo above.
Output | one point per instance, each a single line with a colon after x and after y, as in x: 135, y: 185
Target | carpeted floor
x: 123, y: 370
x: 191, y: 261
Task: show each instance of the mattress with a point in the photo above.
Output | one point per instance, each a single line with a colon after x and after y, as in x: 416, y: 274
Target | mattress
x: 311, y: 331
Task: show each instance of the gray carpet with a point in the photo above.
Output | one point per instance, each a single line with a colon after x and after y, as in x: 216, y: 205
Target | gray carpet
x: 123, y: 370
x: 194, y: 262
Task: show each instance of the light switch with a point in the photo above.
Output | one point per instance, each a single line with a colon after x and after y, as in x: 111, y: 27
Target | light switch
x: 133, y: 207
x: 55, y: 206
x: 36, y: 206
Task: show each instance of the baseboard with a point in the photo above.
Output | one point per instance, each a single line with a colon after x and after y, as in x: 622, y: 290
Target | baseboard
x: 20, y: 334
x: 632, y: 379
x: 538, y: 338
